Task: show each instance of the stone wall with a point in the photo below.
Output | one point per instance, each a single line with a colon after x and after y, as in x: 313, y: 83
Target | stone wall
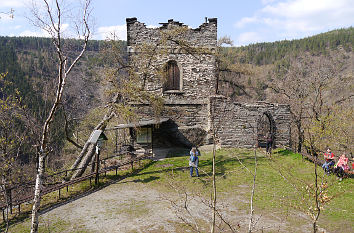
x: 187, y: 118
x: 183, y: 114
x: 237, y: 123
x: 197, y: 69
x: 190, y: 107
x: 203, y: 36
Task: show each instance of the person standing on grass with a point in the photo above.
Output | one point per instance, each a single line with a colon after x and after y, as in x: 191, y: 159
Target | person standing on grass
x: 329, y: 157
x: 193, y: 161
x: 269, y: 144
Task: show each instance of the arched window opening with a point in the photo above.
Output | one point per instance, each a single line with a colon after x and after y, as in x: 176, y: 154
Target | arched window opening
x: 173, y: 76
x: 265, y: 127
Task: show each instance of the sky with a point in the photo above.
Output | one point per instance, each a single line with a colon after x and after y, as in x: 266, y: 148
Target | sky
x: 245, y: 22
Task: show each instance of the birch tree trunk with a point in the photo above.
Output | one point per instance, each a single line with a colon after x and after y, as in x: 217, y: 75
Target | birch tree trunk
x: 251, y: 224
x: 37, y: 194
x: 6, y: 199
x: 213, y: 176
x: 49, y: 18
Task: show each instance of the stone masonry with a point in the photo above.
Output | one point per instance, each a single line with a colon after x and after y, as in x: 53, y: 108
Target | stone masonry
x: 191, y: 106
x: 237, y: 124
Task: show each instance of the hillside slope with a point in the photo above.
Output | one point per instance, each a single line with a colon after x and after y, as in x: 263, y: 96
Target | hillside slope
x: 164, y: 198
x: 270, y: 60
x: 321, y: 44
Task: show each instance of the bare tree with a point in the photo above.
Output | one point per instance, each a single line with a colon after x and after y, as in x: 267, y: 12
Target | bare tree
x: 11, y: 140
x: 309, y: 195
x: 319, y: 99
x: 252, y: 222
x: 50, y: 17
x: 213, y: 129
x: 301, y: 84
x: 9, y: 14
x: 317, y: 134
x: 184, y: 201
x: 227, y: 72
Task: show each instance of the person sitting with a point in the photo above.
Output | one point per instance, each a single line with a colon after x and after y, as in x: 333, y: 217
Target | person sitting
x: 341, y: 166
x: 329, y: 157
x: 193, y: 161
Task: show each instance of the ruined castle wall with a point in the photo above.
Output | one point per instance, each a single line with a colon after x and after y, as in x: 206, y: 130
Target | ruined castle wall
x: 190, y: 121
x: 197, y: 69
x: 184, y: 114
x: 203, y: 36
x: 236, y: 124
x: 190, y: 107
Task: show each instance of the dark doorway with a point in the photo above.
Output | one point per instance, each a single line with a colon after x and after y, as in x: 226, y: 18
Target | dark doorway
x: 265, y: 127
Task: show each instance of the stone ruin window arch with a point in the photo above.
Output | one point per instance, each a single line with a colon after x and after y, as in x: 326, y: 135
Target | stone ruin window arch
x: 173, y: 76
x: 265, y: 125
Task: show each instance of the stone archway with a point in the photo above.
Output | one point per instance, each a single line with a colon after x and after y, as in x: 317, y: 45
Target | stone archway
x: 265, y: 125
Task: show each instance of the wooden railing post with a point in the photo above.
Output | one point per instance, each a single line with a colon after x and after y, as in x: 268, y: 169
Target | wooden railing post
x: 116, y: 149
x: 105, y: 171
x: 9, y: 196
x: 97, y: 167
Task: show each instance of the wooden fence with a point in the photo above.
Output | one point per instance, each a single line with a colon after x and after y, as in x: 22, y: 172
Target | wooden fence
x: 24, y: 193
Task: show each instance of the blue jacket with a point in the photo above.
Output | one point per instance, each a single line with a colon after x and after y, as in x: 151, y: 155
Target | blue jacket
x: 195, y: 158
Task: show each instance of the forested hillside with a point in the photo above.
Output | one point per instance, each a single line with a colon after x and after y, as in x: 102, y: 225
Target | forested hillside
x: 30, y: 65
x: 31, y: 69
x: 321, y: 44
x: 30, y: 60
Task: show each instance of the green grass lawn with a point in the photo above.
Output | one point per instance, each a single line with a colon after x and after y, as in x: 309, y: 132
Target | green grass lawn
x: 283, y: 184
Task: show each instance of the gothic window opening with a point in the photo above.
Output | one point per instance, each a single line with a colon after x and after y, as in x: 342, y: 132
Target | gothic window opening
x: 265, y: 128
x: 173, y: 76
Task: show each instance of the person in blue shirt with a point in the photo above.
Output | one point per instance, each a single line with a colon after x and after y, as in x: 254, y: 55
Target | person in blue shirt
x: 193, y: 161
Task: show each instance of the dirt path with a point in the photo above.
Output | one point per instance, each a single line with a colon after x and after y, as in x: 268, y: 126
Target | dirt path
x: 120, y: 207
x: 129, y: 206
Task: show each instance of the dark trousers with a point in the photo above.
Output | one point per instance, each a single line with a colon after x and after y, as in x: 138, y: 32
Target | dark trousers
x: 269, y: 146
x: 339, y: 171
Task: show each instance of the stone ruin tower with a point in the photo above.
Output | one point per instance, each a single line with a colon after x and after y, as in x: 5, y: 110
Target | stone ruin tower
x: 189, y: 96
